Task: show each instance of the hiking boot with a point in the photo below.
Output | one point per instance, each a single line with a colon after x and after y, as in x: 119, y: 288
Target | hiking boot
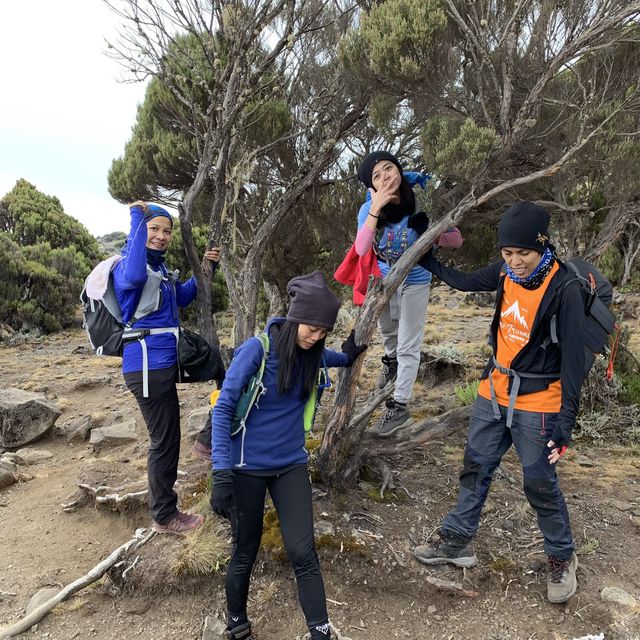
x: 447, y: 550
x: 201, y: 451
x: 561, y: 578
x: 182, y: 524
x: 395, y: 417
x: 241, y: 632
x: 388, y: 373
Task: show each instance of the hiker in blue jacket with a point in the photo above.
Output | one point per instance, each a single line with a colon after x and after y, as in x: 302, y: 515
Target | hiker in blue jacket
x: 150, y: 363
x: 270, y: 452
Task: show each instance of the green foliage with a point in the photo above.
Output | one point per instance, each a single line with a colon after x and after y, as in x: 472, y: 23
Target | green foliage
x: 39, y: 286
x: 630, y: 389
x: 456, y: 150
x: 612, y: 264
x: 397, y: 39
x: 468, y: 393
x: 31, y: 217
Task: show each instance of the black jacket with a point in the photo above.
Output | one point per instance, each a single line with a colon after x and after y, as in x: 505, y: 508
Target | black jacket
x: 539, y: 355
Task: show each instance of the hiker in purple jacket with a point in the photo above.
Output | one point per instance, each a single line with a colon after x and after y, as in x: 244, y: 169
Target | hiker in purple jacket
x: 150, y: 363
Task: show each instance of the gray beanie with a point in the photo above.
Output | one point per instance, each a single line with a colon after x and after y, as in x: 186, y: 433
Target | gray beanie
x: 312, y: 302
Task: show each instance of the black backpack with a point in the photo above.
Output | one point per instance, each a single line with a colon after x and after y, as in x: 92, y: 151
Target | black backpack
x: 600, y: 325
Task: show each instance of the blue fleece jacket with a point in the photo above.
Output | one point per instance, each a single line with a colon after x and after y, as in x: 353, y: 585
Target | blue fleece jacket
x: 397, y: 238
x: 275, y: 428
x: 129, y: 277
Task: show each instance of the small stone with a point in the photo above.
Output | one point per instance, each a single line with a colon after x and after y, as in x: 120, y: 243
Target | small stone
x: 438, y: 618
x: 7, y: 478
x: 213, y: 628
x: 621, y: 505
x: 33, y: 456
x: 583, y: 461
x: 431, y: 610
x: 196, y: 420
x: 619, y: 596
x: 560, y: 619
x: 78, y: 430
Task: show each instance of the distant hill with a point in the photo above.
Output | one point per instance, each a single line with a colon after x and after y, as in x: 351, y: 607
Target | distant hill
x: 111, y: 242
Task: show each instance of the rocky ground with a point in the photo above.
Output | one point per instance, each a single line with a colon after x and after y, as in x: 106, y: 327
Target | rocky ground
x: 376, y: 589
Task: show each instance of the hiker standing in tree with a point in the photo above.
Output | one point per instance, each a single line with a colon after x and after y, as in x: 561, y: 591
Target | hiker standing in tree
x: 150, y: 364
x: 529, y: 393
x: 269, y: 453
x: 388, y: 221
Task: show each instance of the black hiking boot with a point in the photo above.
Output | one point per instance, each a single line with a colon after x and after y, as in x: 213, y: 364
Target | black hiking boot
x: 394, y: 418
x: 241, y: 632
x: 447, y: 549
x: 388, y: 373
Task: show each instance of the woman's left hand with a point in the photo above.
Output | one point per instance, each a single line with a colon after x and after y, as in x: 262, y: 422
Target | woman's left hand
x: 213, y: 254
x: 351, y: 349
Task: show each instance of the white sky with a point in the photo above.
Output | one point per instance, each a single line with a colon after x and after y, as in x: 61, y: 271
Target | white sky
x: 63, y: 114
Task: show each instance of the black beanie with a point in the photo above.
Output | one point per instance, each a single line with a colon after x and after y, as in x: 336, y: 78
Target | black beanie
x: 312, y: 302
x: 369, y: 161
x: 524, y: 225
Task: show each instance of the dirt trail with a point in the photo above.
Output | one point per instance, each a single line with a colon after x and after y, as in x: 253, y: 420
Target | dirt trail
x: 377, y: 591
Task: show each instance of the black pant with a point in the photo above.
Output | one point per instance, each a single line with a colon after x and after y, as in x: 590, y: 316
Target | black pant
x: 161, y: 413
x: 291, y: 495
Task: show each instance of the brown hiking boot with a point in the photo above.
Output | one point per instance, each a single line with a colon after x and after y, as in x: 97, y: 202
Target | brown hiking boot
x: 561, y: 579
x: 201, y: 451
x: 182, y: 524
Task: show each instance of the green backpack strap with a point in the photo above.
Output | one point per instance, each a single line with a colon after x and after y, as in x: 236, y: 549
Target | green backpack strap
x: 313, y: 402
x: 252, y: 390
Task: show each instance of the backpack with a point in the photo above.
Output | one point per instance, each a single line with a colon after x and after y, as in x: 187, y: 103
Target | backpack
x: 255, y: 388
x: 600, y: 325
x: 101, y: 315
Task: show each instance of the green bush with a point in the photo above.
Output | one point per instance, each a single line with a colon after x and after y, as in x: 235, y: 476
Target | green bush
x: 468, y: 393
x: 630, y: 389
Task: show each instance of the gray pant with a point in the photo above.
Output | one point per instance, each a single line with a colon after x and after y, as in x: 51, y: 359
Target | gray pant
x: 488, y: 440
x: 402, y: 327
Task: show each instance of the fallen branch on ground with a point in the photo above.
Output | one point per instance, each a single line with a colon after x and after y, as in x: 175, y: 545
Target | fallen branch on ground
x: 140, y: 538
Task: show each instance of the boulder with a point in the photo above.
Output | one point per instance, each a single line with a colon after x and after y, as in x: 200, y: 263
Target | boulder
x: 24, y: 417
x: 115, y: 434
x: 196, y: 420
x: 33, y: 456
x: 7, y: 478
x: 40, y: 597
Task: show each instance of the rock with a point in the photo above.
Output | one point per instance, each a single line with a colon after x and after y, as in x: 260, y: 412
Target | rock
x: 40, y: 597
x: 324, y: 528
x: 196, y: 420
x: 621, y: 505
x: 116, y: 434
x: 431, y: 610
x: 10, y: 457
x: 78, y: 430
x: 33, y: 456
x: 8, y: 465
x: 619, y: 596
x: 213, y: 628
x: 7, y: 478
x: 24, y: 417
x: 480, y: 298
x: 583, y: 461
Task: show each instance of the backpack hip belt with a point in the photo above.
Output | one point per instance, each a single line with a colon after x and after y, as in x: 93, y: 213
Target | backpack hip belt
x: 131, y: 334
x: 515, y: 388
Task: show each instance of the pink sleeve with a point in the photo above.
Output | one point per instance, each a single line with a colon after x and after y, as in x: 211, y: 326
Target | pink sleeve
x: 364, y: 240
x: 450, y: 239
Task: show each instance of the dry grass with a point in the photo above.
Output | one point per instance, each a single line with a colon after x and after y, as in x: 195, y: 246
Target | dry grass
x: 204, y: 551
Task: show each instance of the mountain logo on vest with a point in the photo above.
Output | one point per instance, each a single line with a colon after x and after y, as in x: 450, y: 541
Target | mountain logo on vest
x: 514, y: 324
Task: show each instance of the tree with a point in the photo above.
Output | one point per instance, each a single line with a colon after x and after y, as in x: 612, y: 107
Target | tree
x: 261, y: 107
x: 501, y: 89
x: 32, y: 217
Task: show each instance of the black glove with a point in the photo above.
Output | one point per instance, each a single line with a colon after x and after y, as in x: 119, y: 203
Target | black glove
x: 560, y: 437
x: 352, y: 349
x: 223, y: 497
x: 418, y: 222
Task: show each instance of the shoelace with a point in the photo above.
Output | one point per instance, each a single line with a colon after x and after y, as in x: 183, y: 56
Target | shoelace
x: 557, y: 568
x: 389, y: 413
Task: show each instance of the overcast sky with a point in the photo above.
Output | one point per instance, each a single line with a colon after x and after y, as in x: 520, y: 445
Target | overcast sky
x: 64, y: 115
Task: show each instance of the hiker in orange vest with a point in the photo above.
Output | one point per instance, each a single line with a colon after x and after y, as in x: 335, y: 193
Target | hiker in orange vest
x: 529, y: 393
